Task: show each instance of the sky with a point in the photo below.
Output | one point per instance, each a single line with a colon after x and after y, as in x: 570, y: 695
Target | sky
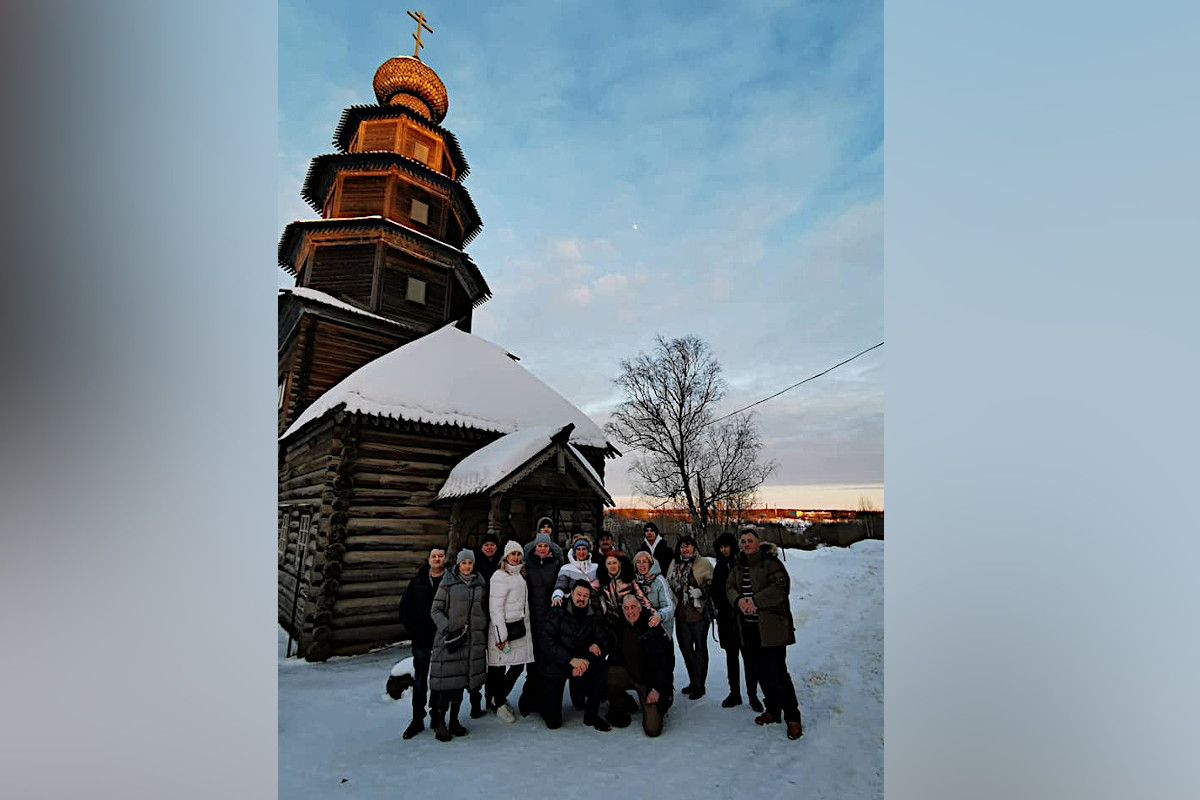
x: 653, y: 168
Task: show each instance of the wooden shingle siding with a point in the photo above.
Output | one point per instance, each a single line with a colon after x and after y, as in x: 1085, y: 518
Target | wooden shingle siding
x: 397, y: 269
x: 344, y: 271
x: 377, y: 135
x: 362, y: 196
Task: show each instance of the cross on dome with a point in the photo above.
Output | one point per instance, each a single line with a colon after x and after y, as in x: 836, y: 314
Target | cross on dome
x: 419, y: 18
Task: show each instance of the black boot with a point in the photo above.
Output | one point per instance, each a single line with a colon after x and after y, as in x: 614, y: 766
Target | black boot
x: 476, y: 706
x: 596, y: 721
x: 455, y: 726
x: 734, y: 699
x: 439, y: 726
x: 416, y: 726
x: 755, y: 703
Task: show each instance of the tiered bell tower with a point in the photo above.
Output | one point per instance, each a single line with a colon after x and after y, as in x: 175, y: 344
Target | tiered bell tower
x: 384, y: 264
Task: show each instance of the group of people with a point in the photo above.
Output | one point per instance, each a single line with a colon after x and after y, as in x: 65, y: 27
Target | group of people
x: 599, y: 623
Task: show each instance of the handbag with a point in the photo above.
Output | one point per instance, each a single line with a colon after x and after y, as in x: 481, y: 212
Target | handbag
x: 516, y: 629
x: 457, y: 638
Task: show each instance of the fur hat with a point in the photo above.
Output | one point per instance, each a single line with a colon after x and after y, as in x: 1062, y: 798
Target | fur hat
x: 513, y: 547
x: 726, y: 540
x: 463, y: 555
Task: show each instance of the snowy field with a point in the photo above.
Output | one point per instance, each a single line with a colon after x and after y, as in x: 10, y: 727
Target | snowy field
x: 339, y: 732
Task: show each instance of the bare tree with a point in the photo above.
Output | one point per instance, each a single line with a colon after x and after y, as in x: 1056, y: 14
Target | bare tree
x: 683, y: 457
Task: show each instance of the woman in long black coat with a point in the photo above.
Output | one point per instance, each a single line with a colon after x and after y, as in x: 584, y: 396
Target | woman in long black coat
x: 726, y: 550
x: 541, y: 571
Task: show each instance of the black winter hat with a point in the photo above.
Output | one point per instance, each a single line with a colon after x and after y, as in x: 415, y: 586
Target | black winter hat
x: 544, y: 521
x: 650, y: 526
x: 727, y: 539
x: 490, y: 537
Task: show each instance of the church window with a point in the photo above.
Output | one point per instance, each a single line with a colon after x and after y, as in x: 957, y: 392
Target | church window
x: 416, y: 291
x: 419, y: 212
x: 421, y: 152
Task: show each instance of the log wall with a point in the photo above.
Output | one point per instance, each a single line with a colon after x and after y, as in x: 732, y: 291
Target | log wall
x: 303, y: 467
x: 391, y: 524
x: 371, y: 484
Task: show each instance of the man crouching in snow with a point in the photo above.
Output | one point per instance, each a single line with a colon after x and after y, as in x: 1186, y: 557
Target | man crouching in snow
x: 575, y: 645
x: 642, y: 659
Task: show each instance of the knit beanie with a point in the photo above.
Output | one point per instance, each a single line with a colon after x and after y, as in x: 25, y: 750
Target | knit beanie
x: 463, y: 555
x: 542, y: 537
x: 544, y: 521
x: 512, y: 547
x: 489, y: 537
x: 650, y: 526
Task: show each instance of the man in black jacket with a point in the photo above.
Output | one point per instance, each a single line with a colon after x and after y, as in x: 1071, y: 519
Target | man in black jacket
x: 415, y: 606
x: 642, y: 659
x: 656, y: 546
x: 574, y: 648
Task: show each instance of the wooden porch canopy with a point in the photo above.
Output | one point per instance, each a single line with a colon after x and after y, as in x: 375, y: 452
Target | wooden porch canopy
x: 529, y: 463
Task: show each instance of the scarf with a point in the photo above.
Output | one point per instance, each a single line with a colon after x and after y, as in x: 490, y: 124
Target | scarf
x: 644, y: 581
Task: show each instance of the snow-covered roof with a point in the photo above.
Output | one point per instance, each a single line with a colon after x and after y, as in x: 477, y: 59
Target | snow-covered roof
x: 488, y: 466
x: 329, y: 300
x: 454, y: 378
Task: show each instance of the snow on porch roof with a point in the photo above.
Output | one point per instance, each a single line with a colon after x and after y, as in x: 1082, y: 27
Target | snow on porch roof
x: 490, y: 465
x: 454, y: 378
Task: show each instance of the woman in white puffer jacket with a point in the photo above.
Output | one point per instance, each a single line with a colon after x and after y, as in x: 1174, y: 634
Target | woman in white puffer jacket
x: 508, y: 602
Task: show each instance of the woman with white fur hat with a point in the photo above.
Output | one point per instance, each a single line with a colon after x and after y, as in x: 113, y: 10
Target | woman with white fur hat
x: 510, y: 634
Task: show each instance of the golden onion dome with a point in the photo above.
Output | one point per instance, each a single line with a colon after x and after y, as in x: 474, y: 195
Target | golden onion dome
x: 406, y: 81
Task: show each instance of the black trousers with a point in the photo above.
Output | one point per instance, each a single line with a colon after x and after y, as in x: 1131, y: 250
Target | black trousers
x: 446, y: 700
x: 420, y: 680
x: 779, y: 693
x: 500, y: 681
x: 593, y: 685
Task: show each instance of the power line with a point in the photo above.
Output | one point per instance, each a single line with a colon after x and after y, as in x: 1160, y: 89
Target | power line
x: 794, y: 385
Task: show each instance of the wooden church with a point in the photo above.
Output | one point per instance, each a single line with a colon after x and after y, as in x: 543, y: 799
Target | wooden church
x: 400, y: 429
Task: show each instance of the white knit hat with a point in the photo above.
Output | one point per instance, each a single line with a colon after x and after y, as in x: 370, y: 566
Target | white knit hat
x: 513, y: 547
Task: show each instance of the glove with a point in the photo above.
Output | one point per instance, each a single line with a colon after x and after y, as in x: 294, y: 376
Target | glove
x: 696, y: 593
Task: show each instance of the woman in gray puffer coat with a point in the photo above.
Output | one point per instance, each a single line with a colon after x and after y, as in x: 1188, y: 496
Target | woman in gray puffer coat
x: 460, y: 602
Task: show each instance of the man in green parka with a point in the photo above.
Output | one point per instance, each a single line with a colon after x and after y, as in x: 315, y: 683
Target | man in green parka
x: 758, y: 587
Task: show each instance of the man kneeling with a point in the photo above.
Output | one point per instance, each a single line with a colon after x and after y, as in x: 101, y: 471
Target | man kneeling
x: 642, y: 659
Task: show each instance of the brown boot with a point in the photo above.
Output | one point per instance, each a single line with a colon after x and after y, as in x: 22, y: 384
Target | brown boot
x: 795, y: 730
x: 766, y: 718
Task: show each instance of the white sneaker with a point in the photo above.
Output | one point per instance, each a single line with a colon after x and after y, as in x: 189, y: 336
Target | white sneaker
x: 505, y: 712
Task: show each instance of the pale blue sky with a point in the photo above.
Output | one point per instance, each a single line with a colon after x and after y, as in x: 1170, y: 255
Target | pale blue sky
x: 643, y: 168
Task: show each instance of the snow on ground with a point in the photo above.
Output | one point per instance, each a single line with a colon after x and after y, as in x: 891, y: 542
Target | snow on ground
x: 339, y: 733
